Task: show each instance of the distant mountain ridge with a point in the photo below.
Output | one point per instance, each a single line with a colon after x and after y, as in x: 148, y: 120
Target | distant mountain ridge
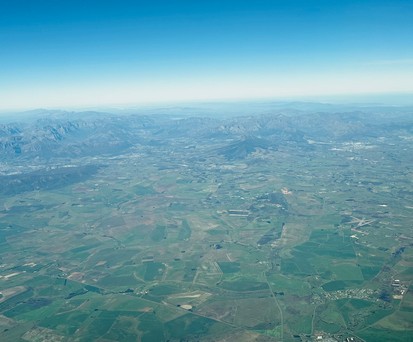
x: 59, y: 134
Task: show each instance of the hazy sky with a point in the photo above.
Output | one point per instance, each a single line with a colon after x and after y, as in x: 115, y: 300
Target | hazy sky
x: 68, y: 52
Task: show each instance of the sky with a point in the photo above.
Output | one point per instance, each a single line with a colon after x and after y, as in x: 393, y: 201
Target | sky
x: 60, y: 53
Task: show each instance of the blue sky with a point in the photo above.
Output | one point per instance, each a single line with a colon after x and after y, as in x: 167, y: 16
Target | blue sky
x: 77, y: 53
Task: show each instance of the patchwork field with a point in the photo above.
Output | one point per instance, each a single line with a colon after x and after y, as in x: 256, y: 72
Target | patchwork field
x: 174, y: 243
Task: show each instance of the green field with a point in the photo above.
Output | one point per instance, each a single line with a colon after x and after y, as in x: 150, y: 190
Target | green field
x: 175, y: 243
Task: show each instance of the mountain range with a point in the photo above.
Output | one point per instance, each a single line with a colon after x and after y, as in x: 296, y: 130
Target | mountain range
x: 50, y: 134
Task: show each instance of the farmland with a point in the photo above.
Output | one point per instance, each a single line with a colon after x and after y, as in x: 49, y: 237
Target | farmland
x: 165, y: 242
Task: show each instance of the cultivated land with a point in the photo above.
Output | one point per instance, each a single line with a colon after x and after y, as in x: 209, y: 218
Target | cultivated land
x: 179, y: 241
